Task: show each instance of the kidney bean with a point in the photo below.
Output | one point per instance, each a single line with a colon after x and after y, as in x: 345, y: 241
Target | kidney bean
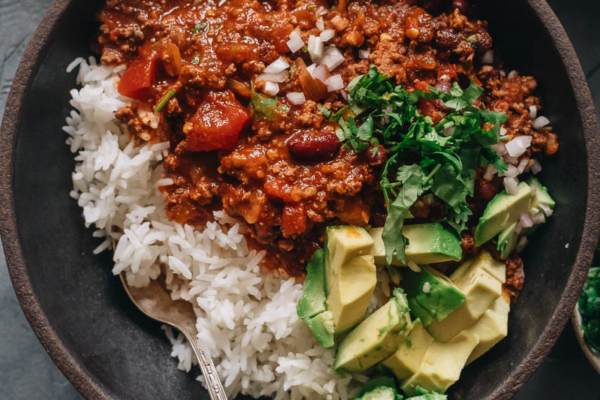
x: 314, y: 146
x: 463, y: 6
x: 379, y: 158
x: 447, y: 38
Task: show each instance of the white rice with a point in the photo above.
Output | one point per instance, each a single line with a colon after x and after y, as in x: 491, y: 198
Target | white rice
x: 247, y: 320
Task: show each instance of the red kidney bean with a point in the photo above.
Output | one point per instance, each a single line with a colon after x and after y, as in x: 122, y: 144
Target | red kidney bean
x: 463, y: 6
x: 378, y: 158
x: 314, y: 146
x: 447, y: 38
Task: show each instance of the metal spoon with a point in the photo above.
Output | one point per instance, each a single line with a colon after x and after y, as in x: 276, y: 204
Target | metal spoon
x: 154, y: 301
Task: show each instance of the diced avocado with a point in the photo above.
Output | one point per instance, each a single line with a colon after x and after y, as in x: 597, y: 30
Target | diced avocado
x: 312, y: 301
x: 407, y: 359
x: 541, y: 195
x: 434, y: 292
x: 321, y: 326
x: 484, y: 261
x: 427, y: 244
x: 503, y: 211
x: 442, y: 365
x: 507, y: 240
x: 380, y: 388
x: 350, y: 290
x: 419, y: 312
x: 344, y: 243
x: 481, y: 289
x: 376, y: 338
x: 491, y: 328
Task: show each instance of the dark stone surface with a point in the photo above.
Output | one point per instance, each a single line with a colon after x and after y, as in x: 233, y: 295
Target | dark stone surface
x: 27, y: 373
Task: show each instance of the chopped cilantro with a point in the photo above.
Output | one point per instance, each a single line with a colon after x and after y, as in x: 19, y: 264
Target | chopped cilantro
x: 199, y: 27
x: 589, y: 308
x: 196, y: 59
x: 311, y: 7
x: 443, y: 162
x: 265, y: 107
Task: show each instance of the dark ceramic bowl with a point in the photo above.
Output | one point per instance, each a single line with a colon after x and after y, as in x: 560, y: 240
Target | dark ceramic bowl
x: 109, y: 350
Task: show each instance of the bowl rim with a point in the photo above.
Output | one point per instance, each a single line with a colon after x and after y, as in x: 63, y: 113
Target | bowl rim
x: 84, y: 381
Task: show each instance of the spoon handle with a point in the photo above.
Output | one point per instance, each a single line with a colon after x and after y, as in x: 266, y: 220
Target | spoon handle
x: 213, y: 383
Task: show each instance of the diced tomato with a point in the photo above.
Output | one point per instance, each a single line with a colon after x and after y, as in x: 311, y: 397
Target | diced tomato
x: 293, y: 220
x: 217, y: 124
x: 137, y: 80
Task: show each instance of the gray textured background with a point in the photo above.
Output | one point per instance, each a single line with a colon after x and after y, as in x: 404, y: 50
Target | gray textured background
x: 26, y: 371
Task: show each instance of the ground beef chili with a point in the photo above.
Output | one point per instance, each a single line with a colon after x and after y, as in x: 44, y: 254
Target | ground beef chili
x: 193, y: 69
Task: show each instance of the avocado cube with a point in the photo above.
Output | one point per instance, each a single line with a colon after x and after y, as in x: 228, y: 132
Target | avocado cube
x: 483, y: 261
x: 419, y: 312
x: 427, y: 244
x: 407, y: 359
x: 321, y: 326
x: 481, y: 289
x: 434, y: 292
x: 507, y: 241
x: 376, y: 338
x: 541, y: 195
x: 491, y: 328
x: 503, y: 211
x: 441, y: 365
x: 344, y: 243
x: 350, y: 289
x: 312, y: 301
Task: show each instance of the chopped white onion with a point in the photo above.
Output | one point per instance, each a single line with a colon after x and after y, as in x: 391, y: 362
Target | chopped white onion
x: 364, y: 53
x: 503, y: 131
x: 511, y: 160
x: 523, y: 165
x: 536, y: 168
x: 295, y: 43
x: 271, y: 88
x: 333, y: 58
x: 320, y: 24
x: 322, y: 11
x: 315, y: 48
x: 277, y: 66
x: 490, y: 171
x: 518, y: 145
x: 296, y: 98
x: 344, y: 95
x: 278, y: 77
x: 499, y: 149
x: 311, y: 69
x: 512, y: 74
x: 413, y: 265
x: 525, y: 220
x: 334, y: 83
x: 488, y: 57
x: 511, y: 171
x: 540, y: 122
x: 327, y: 35
x: 532, y: 112
x: 521, y: 244
x: 320, y: 73
x: 547, y: 210
x: 533, y: 189
x: 518, y: 228
x: 511, y: 185
x: 538, y: 218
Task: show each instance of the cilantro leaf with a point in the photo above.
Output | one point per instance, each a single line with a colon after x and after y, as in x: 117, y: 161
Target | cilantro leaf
x: 422, y: 157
